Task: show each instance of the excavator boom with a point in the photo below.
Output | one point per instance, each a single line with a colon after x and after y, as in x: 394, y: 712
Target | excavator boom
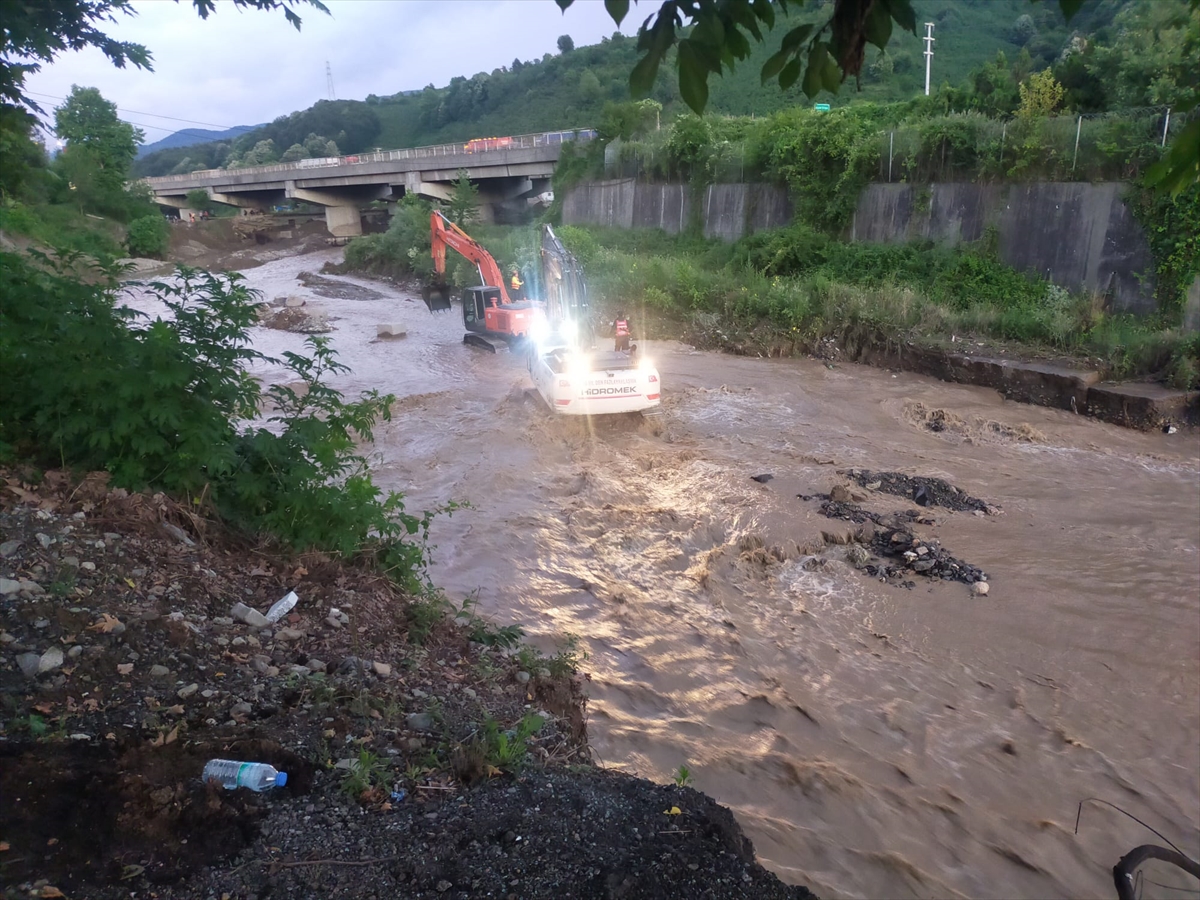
x: 445, y: 234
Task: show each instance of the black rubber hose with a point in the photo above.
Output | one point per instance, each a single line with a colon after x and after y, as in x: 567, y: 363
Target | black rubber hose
x: 1131, y: 861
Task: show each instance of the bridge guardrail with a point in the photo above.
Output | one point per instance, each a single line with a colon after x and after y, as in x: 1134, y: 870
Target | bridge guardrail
x: 516, y: 142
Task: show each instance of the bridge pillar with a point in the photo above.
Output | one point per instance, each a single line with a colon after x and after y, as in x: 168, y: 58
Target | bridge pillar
x: 430, y: 190
x: 343, y: 221
x: 342, y: 216
x: 173, y: 202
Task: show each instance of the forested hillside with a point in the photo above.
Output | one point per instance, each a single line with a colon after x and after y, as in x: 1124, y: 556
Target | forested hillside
x: 571, y: 88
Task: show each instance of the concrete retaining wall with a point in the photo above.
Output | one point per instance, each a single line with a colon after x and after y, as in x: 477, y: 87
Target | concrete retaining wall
x: 728, y: 210
x: 1080, y: 236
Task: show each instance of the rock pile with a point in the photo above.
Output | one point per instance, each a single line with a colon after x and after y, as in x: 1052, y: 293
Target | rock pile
x: 927, y: 491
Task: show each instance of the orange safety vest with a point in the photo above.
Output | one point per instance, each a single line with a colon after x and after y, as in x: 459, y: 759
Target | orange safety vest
x: 622, y: 327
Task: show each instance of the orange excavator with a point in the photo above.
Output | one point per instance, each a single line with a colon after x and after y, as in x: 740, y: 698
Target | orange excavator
x: 489, y: 314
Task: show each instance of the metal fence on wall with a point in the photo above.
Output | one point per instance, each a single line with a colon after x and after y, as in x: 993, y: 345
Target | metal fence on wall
x: 1116, y: 146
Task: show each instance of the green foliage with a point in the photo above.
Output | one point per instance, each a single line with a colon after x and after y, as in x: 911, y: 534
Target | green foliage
x: 709, y: 38
x: 1172, y: 226
x: 793, y: 287
x: 426, y: 609
x: 825, y: 159
x: 198, y: 199
x: 64, y: 227
x: 404, y: 249
x: 565, y: 662
x: 463, y: 207
x: 507, y: 749
x: 160, y: 403
x: 683, y: 776
x: 482, y: 631
x: 365, y: 772
x: 148, y: 236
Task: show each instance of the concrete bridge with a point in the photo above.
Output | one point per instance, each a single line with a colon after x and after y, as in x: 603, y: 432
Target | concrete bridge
x: 502, y: 168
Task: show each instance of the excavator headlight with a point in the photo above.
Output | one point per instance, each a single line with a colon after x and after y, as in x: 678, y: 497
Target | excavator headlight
x: 538, y: 330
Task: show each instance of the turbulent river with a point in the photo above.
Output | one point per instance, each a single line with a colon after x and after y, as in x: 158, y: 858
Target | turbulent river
x: 872, y: 740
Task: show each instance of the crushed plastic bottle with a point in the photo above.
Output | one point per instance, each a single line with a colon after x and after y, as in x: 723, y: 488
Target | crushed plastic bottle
x: 282, y: 607
x: 232, y: 774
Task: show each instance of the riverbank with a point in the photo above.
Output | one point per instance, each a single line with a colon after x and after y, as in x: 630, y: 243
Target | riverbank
x: 1043, y: 380
x: 426, y: 756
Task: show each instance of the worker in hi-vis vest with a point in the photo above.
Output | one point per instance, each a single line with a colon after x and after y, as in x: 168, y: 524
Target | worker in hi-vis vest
x: 621, y: 327
x: 515, y: 283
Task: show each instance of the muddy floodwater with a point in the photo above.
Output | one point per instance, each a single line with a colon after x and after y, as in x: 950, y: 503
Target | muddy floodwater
x: 873, y: 740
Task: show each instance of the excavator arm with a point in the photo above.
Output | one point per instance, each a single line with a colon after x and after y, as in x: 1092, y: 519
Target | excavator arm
x: 446, y: 234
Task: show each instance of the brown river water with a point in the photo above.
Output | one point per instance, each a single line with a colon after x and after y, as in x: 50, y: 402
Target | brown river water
x: 873, y: 741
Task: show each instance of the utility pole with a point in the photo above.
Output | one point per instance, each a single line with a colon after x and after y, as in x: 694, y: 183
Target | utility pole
x: 928, y: 53
x: 333, y: 96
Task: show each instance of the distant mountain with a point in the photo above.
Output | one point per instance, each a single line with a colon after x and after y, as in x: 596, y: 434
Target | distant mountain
x: 189, y: 136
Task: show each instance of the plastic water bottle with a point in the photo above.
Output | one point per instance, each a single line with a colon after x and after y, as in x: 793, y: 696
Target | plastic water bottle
x: 234, y: 774
x: 282, y: 607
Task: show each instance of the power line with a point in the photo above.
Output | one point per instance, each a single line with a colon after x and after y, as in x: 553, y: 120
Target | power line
x: 137, y: 112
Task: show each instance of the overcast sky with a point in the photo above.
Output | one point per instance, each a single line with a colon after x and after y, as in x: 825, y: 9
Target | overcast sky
x: 248, y: 67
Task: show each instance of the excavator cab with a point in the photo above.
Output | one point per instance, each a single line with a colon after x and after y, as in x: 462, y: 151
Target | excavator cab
x: 475, y: 303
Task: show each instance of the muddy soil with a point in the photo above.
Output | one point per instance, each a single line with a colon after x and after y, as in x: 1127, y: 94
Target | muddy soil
x: 871, y: 741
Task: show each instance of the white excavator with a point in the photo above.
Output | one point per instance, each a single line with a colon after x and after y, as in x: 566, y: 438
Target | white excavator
x: 554, y: 327
x: 573, y: 376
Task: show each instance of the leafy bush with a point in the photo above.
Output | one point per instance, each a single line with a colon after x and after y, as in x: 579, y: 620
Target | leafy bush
x: 148, y: 236
x: 161, y: 404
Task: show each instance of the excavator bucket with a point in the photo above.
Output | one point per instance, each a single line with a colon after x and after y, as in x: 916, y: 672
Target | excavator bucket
x: 436, y: 296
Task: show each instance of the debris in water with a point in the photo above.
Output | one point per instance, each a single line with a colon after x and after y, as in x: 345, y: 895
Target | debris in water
x: 936, y: 491
x: 762, y: 479
x: 890, y: 537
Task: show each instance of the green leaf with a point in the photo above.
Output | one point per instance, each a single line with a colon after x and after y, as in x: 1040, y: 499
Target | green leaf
x: 765, y: 12
x: 794, y: 38
x: 789, y: 74
x: 904, y: 14
x: 743, y: 15
x: 693, y: 78
x: 774, y: 65
x: 617, y: 9
x: 878, y: 27
x: 563, y: 4
x: 812, y: 74
x: 831, y: 75
x: 708, y: 30
x: 736, y: 43
x: 641, y: 79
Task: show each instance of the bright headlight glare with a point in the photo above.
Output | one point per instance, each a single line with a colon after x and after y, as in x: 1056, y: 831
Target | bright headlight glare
x: 645, y: 364
x: 579, y: 366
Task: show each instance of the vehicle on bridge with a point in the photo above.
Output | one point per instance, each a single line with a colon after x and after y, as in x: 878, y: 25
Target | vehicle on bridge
x: 480, y: 145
